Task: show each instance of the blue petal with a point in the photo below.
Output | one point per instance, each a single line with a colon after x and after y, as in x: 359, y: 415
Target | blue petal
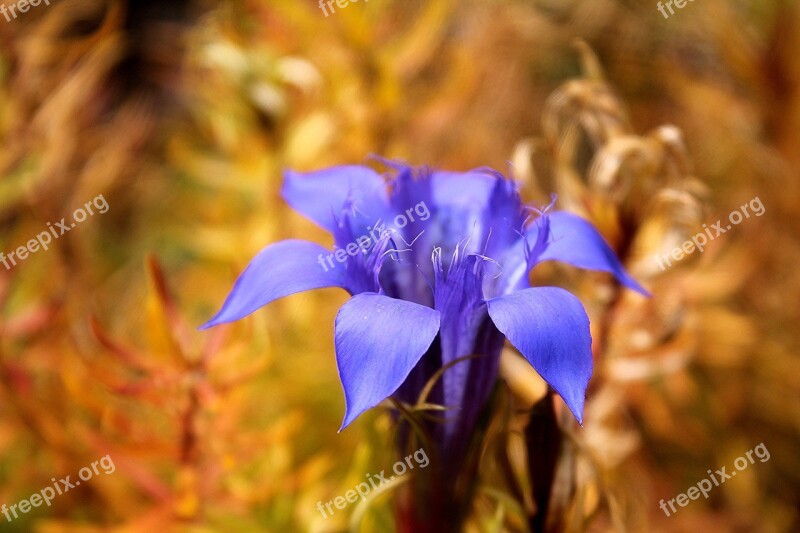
x: 469, y: 189
x: 378, y: 342
x: 550, y: 328
x: 280, y: 269
x: 460, y: 201
x: 577, y: 242
x: 323, y: 195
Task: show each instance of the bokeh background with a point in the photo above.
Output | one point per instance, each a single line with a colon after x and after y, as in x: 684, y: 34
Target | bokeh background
x: 183, y: 116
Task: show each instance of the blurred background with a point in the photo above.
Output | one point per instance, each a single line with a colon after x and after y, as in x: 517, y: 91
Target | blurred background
x: 183, y: 114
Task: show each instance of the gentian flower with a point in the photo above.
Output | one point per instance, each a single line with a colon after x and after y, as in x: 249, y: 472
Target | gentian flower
x: 437, y: 264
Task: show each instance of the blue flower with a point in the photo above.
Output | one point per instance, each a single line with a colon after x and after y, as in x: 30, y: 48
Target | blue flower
x: 437, y: 264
